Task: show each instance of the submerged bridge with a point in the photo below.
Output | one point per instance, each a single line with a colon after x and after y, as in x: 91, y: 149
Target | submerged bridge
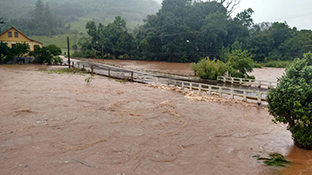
x: 243, y: 89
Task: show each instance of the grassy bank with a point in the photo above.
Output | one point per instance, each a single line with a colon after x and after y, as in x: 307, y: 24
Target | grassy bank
x: 276, y: 64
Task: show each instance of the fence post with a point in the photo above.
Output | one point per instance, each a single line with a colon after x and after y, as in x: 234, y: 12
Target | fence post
x: 182, y: 86
x: 175, y: 83
x: 199, y: 87
x: 191, y: 86
x: 259, y: 98
x: 232, y: 93
x: 109, y: 72
x: 92, y: 69
x: 209, y: 89
x: 245, y: 95
x: 224, y: 80
x: 232, y: 80
x: 73, y: 64
x: 78, y: 65
x: 220, y: 91
x: 83, y: 66
x: 131, y: 76
x: 240, y: 81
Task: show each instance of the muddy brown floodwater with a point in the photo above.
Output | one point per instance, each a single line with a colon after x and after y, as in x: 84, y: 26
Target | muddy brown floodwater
x: 268, y: 74
x: 59, y: 124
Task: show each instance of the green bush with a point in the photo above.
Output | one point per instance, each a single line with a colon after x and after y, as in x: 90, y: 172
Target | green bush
x: 291, y: 101
x: 54, y: 50
x: 57, y: 60
x: 207, y: 69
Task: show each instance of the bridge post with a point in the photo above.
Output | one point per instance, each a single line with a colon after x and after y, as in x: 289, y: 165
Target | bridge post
x: 245, y: 96
x: 220, y: 91
x: 259, y: 98
x: 232, y: 93
x: 131, y: 76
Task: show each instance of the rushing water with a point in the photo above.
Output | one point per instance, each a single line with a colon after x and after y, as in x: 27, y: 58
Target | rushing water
x: 57, y: 124
x: 302, y: 159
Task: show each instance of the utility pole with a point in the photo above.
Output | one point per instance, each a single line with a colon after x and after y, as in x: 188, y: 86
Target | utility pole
x: 68, y: 52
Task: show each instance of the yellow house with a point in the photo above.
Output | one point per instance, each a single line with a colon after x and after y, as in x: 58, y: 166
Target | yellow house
x: 13, y: 36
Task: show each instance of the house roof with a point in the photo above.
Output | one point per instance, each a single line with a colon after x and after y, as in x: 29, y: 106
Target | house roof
x: 21, y: 34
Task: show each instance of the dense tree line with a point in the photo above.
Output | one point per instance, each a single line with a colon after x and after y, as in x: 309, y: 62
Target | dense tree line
x: 187, y: 30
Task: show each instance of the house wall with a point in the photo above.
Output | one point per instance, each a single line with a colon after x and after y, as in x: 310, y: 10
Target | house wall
x: 19, y: 39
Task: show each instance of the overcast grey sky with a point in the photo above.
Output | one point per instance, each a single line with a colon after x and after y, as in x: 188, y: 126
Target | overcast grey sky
x: 296, y: 13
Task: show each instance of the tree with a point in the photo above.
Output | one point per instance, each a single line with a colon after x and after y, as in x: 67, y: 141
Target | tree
x: 4, y: 52
x: 8, y: 54
x: 244, y: 18
x: 42, y: 55
x: 113, y: 39
x: 291, y: 101
x: 54, y: 50
x: 19, y: 49
x: 296, y: 46
x: 240, y: 63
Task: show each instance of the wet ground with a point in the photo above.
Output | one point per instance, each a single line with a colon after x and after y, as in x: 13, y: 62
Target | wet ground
x: 58, y: 124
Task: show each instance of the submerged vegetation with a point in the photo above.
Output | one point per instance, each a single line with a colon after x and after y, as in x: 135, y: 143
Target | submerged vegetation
x: 67, y: 71
x: 275, y: 159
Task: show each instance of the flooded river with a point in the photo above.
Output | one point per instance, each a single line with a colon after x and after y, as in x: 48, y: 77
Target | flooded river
x: 267, y: 74
x: 59, y: 124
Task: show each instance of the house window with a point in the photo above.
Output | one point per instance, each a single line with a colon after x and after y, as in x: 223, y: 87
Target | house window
x: 13, y: 45
x: 10, y: 34
x: 16, y: 34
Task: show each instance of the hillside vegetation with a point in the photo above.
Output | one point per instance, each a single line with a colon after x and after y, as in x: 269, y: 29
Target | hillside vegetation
x: 50, y: 17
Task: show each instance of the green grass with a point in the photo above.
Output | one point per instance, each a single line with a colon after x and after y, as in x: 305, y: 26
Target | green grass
x: 276, y: 64
x: 59, y: 40
x: 67, y: 71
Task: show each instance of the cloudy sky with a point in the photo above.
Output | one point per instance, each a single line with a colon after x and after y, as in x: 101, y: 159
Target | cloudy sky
x: 297, y: 13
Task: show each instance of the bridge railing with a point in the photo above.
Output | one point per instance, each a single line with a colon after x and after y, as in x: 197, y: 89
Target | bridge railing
x: 244, y: 94
x: 248, y: 82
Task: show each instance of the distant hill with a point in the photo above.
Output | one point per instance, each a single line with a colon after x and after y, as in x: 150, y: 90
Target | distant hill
x: 131, y: 10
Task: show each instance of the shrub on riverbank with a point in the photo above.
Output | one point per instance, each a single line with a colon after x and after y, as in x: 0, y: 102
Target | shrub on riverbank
x: 291, y: 101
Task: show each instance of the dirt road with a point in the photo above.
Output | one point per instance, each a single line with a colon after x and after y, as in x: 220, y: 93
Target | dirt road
x: 58, y: 124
